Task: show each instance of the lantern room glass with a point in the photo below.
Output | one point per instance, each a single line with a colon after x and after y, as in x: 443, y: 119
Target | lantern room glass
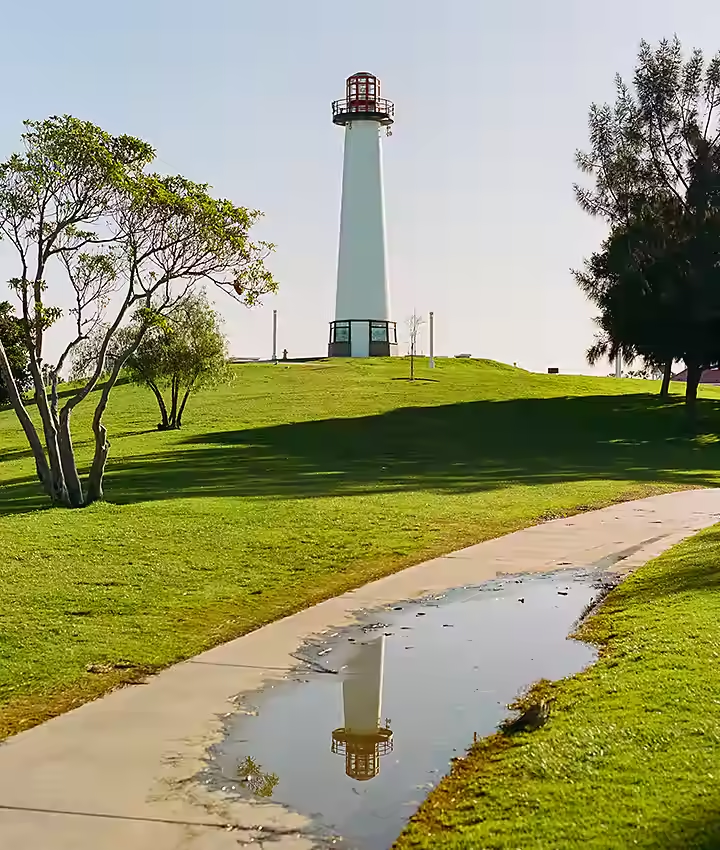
x: 363, y: 91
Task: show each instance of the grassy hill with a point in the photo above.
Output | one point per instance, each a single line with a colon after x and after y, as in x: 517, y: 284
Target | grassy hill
x: 292, y: 484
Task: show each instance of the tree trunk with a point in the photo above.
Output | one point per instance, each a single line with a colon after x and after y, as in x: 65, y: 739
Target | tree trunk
x: 164, y: 424
x: 41, y: 463
x: 54, y: 397
x: 58, y: 488
x: 694, y: 373
x: 174, y: 388
x: 95, y: 492
x: 67, y: 458
x: 667, y: 374
x: 181, y: 409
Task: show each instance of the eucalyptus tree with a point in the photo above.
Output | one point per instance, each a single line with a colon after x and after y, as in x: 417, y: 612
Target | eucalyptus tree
x: 88, y: 219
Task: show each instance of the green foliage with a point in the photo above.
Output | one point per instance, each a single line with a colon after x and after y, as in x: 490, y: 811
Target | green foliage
x: 11, y: 337
x: 83, y: 212
x: 635, y: 283
x: 655, y: 164
x: 259, y: 782
x: 293, y: 484
x: 183, y: 352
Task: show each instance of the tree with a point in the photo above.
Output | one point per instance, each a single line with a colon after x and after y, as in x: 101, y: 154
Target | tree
x: 85, y: 215
x: 633, y: 280
x: 259, y: 782
x: 11, y: 338
x: 414, y: 323
x: 184, y: 354
x: 660, y: 144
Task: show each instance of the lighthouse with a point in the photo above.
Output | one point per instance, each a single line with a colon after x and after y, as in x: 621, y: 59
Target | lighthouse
x: 362, y: 326
x: 363, y: 739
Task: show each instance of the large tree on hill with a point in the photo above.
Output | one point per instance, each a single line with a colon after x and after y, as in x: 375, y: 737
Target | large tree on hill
x: 86, y: 218
x: 12, y: 339
x: 659, y: 145
x: 633, y: 280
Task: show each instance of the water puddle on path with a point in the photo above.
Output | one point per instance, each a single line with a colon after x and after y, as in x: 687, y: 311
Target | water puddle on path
x: 360, y: 735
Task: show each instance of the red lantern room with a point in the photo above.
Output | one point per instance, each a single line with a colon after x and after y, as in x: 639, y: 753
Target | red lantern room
x: 363, y: 102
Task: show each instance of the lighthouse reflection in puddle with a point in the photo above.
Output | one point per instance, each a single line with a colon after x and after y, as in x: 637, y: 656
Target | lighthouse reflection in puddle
x: 363, y: 740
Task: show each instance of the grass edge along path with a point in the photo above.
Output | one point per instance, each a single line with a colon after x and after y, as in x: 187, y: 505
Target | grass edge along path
x: 28, y: 710
x: 630, y: 756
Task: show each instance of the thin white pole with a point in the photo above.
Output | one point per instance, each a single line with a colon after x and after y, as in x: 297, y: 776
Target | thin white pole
x: 274, y: 355
x: 431, y: 364
x: 618, y: 365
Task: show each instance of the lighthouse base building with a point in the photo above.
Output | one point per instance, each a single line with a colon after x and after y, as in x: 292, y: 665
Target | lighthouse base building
x: 362, y: 338
x: 362, y: 325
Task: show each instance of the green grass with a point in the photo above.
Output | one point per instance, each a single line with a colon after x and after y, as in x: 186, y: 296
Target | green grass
x: 630, y: 756
x: 293, y: 484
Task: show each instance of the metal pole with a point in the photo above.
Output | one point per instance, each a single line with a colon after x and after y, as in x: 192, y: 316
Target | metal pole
x: 274, y: 354
x: 431, y: 364
x: 618, y: 365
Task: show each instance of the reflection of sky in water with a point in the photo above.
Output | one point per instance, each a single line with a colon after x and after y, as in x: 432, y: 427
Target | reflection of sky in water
x: 451, y: 667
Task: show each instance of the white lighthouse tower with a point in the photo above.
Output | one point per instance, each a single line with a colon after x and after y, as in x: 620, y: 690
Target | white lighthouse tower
x: 364, y: 738
x: 362, y: 326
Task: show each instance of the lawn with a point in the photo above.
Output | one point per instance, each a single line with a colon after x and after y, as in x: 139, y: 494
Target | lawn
x: 630, y: 755
x: 292, y: 484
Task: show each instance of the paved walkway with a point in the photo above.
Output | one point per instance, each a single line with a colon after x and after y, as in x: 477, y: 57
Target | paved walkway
x: 118, y: 773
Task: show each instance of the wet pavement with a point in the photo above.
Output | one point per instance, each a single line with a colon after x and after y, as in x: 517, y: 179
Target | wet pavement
x: 359, y: 738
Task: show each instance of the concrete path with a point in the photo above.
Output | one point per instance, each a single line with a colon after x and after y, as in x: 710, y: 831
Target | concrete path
x: 119, y: 773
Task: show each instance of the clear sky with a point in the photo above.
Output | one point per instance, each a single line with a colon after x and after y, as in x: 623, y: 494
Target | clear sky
x: 491, y: 100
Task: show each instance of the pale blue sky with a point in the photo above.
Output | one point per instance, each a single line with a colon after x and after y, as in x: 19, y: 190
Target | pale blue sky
x: 491, y: 100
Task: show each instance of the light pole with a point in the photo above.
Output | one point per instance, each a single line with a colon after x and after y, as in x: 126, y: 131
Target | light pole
x: 618, y: 365
x: 431, y: 364
x: 274, y: 350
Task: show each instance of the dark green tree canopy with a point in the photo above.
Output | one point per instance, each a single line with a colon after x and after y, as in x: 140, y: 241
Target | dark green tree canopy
x: 654, y: 162
x: 11, y: 336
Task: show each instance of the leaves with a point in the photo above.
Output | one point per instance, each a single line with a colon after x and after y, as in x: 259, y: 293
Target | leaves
x: 655, y: 163
x: 84, y: 213
x: 11, y: 336
x: 645, y: 142
x: 186, y: 351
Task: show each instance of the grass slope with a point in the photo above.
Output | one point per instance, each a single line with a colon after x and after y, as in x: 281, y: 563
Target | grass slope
x: 630, y: 754
x: 290, y: 485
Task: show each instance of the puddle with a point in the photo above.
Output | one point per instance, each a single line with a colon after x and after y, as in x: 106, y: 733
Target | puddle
x: 359, y: 736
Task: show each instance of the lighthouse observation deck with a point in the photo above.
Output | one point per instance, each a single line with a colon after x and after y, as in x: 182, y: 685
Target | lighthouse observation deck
x: 362, y: 102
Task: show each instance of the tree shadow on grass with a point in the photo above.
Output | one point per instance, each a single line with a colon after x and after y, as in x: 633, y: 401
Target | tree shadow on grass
x: 702, y: 833
x: 15, y: 454
x: 459, y: 448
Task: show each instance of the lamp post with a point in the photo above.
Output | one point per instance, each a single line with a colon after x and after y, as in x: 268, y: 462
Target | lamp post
x: 274, y: 347
x: 431, y: 364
